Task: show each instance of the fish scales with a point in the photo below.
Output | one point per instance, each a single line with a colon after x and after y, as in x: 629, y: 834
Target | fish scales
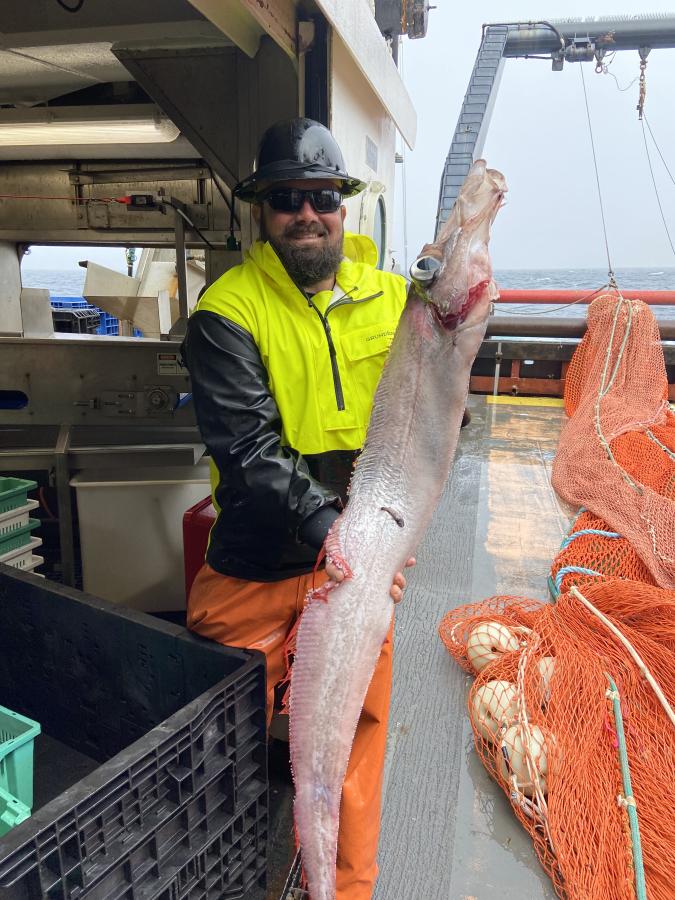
x: 398, y: 480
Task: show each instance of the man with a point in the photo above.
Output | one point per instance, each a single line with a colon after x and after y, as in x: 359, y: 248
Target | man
x: 285, y: 352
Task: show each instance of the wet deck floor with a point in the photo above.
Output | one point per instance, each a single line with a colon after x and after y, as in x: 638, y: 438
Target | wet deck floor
x: 448, y: 832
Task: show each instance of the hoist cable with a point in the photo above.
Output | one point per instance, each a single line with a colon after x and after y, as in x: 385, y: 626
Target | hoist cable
x: 597, y: 176
x: 656, y: 190
x: 658, y: 149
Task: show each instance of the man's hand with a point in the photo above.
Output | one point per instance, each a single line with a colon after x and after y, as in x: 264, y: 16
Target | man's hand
x: 397, y: 588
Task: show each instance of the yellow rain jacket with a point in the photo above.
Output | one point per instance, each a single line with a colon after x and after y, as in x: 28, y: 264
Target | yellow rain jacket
x: 283, y: 385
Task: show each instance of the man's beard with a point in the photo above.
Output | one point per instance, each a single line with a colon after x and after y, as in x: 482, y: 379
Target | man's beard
x: 307, y: 265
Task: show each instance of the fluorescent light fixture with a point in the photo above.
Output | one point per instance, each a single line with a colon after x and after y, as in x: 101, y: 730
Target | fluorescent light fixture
x: 54, y: 125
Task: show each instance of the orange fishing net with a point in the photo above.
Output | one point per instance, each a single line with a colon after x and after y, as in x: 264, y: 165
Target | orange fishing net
x: 615, y: 454
x: 557, y: 696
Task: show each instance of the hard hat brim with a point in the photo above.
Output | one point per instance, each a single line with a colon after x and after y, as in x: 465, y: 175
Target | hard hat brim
x: 249, y: 190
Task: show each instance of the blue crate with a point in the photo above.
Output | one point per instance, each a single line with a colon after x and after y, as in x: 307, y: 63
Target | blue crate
x: 68, y: 303
x: 108, y: 324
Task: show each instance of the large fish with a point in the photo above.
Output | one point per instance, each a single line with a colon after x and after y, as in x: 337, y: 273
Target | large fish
x: 398, y: 480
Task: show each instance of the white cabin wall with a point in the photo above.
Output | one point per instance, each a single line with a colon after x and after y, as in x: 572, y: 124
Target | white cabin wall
x: 357, y: 113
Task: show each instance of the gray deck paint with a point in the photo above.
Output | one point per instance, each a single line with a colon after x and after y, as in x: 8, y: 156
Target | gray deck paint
x: 447, y: 830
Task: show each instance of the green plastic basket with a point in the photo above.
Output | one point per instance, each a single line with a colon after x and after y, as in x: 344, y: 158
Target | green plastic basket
x: 12, y: 811
x: 14, y: 492
x: 17, y: 734
x: 17, y: 538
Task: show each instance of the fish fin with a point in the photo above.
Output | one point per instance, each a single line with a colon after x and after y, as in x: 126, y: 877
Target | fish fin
x: 334, y: 552
x: 331, y: 551
x: 317, y: 565
x: 319, y: 594
x: 289, y: 654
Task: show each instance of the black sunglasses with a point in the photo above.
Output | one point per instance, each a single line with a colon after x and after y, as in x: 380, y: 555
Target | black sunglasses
x: 291, y: 200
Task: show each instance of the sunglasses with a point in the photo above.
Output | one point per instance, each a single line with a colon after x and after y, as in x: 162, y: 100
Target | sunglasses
x: 291, y: 200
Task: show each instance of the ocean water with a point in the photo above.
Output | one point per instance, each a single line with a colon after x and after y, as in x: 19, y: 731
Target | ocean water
x: 656, y: 279
x: 59, y: 282
x: 69, y: 283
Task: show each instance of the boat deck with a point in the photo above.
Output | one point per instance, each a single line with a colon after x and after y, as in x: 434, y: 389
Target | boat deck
x: 448, y: 832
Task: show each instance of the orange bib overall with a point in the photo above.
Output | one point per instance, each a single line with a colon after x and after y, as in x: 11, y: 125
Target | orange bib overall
x: 259, y: 616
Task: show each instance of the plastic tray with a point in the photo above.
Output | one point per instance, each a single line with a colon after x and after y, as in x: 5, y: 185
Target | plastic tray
x: 14, y: 492
x: 76, y: 321
x: 23, y: 557
x: 17, y: 734
x: 12, y: 812
x: 17, y: 538
x: 69, y: 303
x: 16, y: 518
x: 180, y: 811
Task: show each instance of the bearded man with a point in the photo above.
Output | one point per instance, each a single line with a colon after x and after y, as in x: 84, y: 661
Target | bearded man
x: 285, y: 352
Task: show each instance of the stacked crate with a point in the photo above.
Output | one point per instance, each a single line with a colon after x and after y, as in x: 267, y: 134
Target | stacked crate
x: 17, y: 544
x: 107, y: 324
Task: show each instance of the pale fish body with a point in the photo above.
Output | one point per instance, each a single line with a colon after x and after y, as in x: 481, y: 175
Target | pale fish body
x: 398, y: 480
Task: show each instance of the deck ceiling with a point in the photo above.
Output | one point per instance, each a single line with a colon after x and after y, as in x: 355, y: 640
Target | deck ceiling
x: 48, y: 54
x: 35, y: 75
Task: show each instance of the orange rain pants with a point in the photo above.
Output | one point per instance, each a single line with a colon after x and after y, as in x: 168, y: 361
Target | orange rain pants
x: 260, y: 615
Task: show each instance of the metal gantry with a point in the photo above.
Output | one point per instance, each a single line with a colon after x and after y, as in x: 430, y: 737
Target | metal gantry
x: 568, y: 40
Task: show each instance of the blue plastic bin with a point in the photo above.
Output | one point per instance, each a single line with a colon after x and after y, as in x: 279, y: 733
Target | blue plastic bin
x: 108, y: 324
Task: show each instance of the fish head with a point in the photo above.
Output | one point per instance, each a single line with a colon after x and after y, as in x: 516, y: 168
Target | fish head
x: 454, y: 273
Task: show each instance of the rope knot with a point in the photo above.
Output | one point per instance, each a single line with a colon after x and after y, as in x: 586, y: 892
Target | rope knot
x: 625, y: 802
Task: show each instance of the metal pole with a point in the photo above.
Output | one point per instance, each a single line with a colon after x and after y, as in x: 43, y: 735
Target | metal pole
x: 498, y: 368
x: 627, y: 33
x: 62, y: 472
x: 181, y: 266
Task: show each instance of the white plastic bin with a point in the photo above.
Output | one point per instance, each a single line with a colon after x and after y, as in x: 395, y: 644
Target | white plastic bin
x: 16, y: 518
x: 131, y: 533
x: 23, y: 557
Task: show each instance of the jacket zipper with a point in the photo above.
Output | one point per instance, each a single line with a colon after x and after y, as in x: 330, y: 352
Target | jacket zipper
x: 342, y: 301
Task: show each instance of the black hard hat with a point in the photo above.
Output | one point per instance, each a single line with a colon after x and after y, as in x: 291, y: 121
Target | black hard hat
x: 295, y: 149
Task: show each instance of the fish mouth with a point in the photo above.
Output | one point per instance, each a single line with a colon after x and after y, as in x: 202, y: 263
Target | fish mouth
x: 450, y: 320
x: 424, y: 273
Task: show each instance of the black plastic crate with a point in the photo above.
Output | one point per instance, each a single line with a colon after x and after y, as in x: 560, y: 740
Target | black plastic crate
x: 76, y: 321
x: 181, y: 813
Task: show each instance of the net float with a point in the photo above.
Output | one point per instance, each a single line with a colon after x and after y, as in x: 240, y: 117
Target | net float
x: 513, y: 762
x: 546, y: 666
x: 492, y: 705
x: 487, y: 642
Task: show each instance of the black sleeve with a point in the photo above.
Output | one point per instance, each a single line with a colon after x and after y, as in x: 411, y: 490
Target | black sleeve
x: 241, y: 425
x: 314, y: 529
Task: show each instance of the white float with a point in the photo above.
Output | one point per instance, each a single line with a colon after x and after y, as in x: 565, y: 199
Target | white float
x: 492, y: 705
x: 513, y: 747
x: 546, y: 666
x: 487, y: 642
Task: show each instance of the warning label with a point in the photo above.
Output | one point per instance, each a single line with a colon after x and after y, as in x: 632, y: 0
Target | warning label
x: 170, y: 364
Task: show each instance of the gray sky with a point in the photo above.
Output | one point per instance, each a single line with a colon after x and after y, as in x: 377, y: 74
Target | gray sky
x: 68, y: 257
x: 539, y: 139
